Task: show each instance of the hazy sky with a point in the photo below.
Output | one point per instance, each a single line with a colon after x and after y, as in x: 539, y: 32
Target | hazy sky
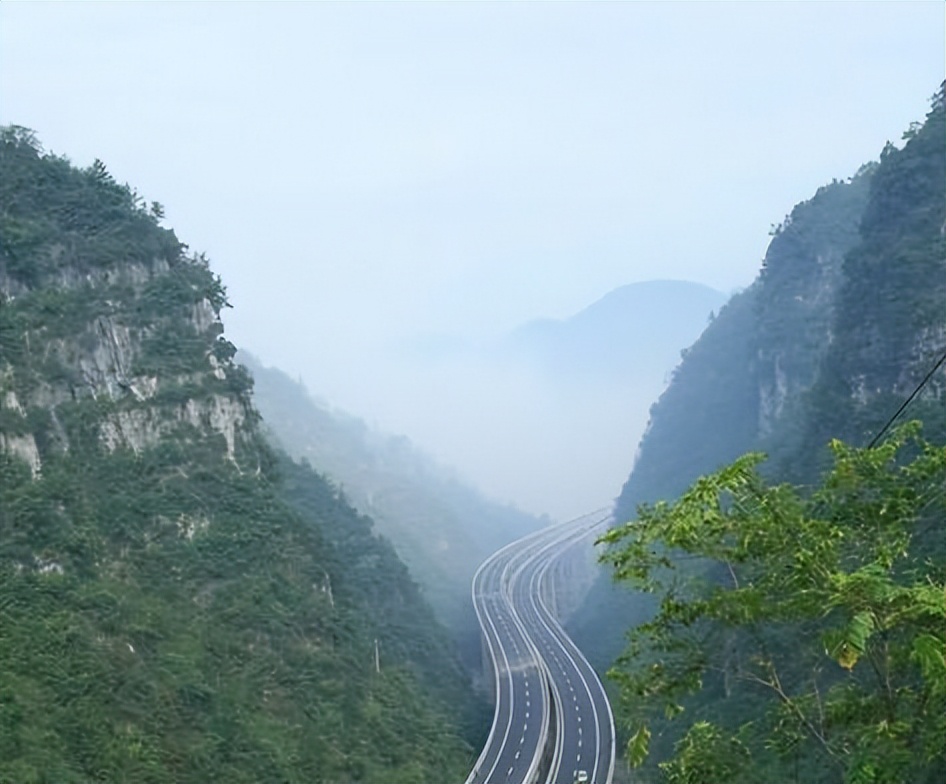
x: 360, y: 173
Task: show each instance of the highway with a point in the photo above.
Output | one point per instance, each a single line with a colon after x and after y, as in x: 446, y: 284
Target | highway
x: 552, y: 718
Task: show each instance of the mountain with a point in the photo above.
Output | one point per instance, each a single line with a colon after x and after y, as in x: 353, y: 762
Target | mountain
x: 845, y: 324
x: 741, y: 378
x: 634, y: 332
x: 889, y: 329
x: 844, y: 320
x: 548, y: 415
x: 440, y: 527
x: 179, y: 602
x: 747, y: 371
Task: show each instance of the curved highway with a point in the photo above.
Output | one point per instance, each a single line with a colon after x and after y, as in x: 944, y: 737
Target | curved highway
x: 552, y: 723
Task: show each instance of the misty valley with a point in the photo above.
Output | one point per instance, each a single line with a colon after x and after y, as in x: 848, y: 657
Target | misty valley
x: 690, y: 537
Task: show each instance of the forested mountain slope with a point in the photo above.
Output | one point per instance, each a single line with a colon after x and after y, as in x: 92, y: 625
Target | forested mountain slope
x: 744, y: 374
x: 179, y: 602
x: 846, y: 321
x: 439, y: 526
x: 847, y: 315
x: 889, y: 329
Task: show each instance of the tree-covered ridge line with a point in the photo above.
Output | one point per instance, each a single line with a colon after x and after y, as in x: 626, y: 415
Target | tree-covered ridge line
x: 178, y: 601
x: 97, y: 223
x: 843, y: 324
x: 848, y: 306
x: 747, y: 373
x: 890, y: 324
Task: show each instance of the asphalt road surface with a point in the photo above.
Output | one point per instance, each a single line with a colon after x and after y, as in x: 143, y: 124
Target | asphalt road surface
x: 552, y: 718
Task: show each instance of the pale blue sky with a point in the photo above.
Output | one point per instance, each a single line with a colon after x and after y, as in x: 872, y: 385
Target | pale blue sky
x: 362, y: 172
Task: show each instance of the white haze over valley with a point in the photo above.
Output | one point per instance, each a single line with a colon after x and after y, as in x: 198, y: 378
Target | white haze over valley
x: 389, y: 190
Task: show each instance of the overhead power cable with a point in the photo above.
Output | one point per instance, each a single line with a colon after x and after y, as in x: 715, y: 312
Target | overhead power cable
x: 907, y: 402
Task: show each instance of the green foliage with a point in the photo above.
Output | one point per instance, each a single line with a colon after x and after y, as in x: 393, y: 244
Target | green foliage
x: 177, y: 611
x: 764, y: 346
x: 439, y: 527
x: 706, y: 755
x: 890, y: 324
x: 817, y: 622
x: 843, y: 322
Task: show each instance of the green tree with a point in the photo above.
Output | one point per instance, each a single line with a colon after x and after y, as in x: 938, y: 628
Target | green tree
x: 804, y: 632
x: 193, y: 608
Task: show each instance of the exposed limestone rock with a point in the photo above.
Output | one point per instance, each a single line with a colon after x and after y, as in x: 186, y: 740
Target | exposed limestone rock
x: 99, y: 361
x: 222, y: 414
x: 140, y: 428
x: 11, y: 403
x: 203, y: 316
x: 46, y: 566
x: 144, y: 387
x: 188, y: 527
x: 134, y: 429
x: 772, y: 397
x: 23, y: 447
x: 927, y: 348
x: 106, y: 369
x: 859, y: 392
x: 216, y: 368
x: 134, y: 275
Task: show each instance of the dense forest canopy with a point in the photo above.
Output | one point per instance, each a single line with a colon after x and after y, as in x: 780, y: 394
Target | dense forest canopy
x: 178, y: 601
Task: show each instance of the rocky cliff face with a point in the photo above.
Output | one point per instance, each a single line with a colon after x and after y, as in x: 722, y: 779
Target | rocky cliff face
x: 100, y: 308
x: 797, y: 288
x: 846, y: 317
x: 73, y: 340
x: 890, y: 326
x: 173, y: 606
x: 746, y: 374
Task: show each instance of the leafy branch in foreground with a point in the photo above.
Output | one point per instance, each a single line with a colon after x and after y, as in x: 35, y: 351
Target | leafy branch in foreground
x: 804, y: 633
